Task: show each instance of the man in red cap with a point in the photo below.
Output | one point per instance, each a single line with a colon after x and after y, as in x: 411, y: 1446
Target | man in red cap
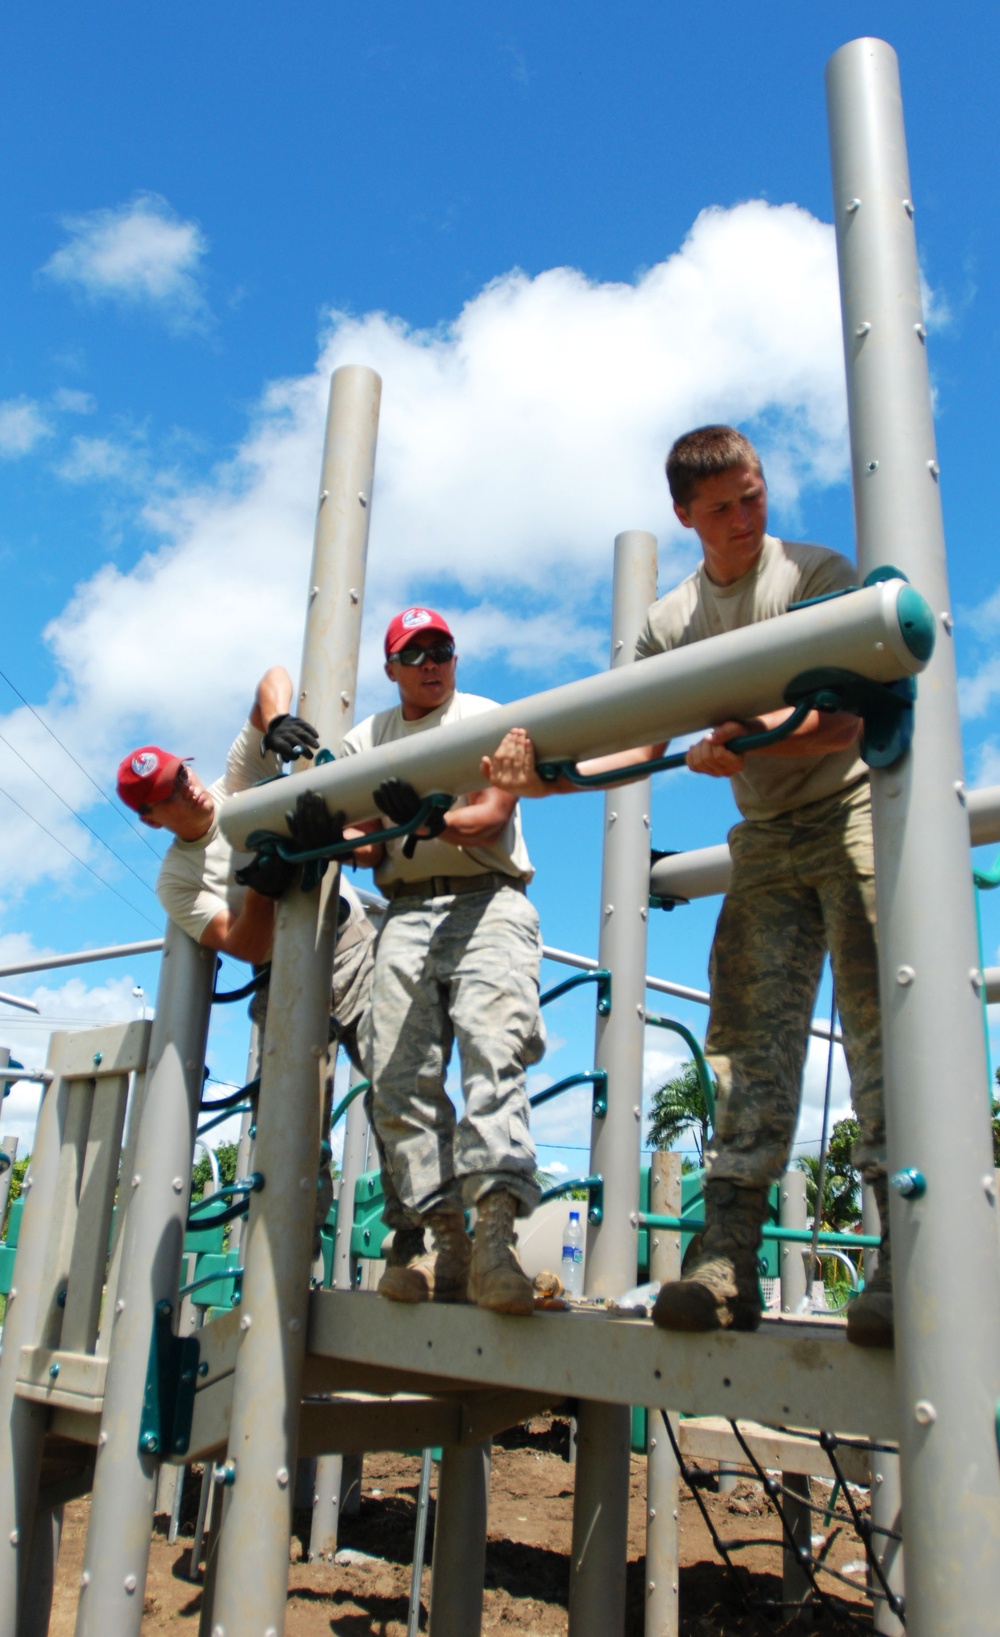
x: 456, y: 962
x: 224, y: 899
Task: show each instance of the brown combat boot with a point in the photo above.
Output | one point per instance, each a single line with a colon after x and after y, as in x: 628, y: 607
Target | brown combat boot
x: 497, y: 1279
x: 869, y: 1316
x: 718, y: 1288
x: 438, y: 1275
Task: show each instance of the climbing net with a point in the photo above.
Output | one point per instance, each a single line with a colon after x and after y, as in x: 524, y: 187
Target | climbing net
x: 840, y: 1511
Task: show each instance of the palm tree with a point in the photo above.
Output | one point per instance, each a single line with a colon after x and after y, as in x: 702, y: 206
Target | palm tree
x: 679, y: 1107
x: 841, y: 1208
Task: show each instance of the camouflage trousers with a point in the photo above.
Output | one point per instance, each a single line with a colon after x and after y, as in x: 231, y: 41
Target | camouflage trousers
x: 802, y: 884
x: 460, y: 969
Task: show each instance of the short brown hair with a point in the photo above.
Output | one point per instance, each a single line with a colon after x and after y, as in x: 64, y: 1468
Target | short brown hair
x: 706, y: 452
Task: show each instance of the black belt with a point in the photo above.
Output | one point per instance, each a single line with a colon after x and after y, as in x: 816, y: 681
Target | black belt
x: 443, y: 886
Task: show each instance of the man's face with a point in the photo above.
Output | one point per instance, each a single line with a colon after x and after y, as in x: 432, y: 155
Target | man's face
x: 729, y: 515
x: 187, y: 813
x: 423, y: 687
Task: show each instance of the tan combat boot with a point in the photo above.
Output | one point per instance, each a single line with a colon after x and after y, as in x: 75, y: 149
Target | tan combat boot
x: 869, y: 1316
x: 438, y: 1275
x: 497, y: 1279
x: 718, y: 1288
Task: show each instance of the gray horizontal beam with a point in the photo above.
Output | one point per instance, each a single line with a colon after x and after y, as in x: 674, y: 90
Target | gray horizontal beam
x: 984, y: 814
x: 991, y: 978
x: 739, y: 673
x: 81, y: 957
x: 790, y: 1373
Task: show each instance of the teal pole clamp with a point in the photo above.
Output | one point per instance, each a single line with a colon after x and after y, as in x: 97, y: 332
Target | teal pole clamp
x: 910, y: 1183
x: 704, y: 1073
x: 269, y: 842
x: 885, y: 708
x: 171, y: 1378
x: 595, y: 1188
x: 601, y: 976
x: 243, y: 1187
x: 345, y: 1102
x: 11, y: 1064
x: 551, y: 771
x: 598, y: 1078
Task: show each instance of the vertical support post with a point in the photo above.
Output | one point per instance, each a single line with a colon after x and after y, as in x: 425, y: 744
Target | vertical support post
x: 662, y: 1475
x: 419, y: 1543
x: 124, y: 1494
x: 252, y: 1569
x: 792, y: 1214
x: 600, y: 1508
x: 458, y: 1567
x: 886, y: 1495
x: 948, y: 1374
x: 8, y: 1146
x: 245, y: 1144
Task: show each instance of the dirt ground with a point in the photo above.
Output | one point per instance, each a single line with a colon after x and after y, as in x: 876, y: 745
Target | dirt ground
x: 527, y: 1564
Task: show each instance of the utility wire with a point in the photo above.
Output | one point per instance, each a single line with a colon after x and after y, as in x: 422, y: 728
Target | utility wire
x: 78, y: 816
x: 78, y: 859
x: 100, y: 791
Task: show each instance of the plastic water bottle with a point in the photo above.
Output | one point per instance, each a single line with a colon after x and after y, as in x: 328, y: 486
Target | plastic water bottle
x: 571, y: 1267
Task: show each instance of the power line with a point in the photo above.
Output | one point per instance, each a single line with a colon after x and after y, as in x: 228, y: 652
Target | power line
x: 76, y: 761
x: 78, y: 816
x: 77, y: 857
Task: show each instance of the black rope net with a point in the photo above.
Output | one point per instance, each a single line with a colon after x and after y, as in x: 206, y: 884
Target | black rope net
x: 841, y: 1511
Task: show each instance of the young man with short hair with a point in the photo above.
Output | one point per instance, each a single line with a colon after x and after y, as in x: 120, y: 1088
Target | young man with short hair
x: 456, y: 962
x: 802, y: 882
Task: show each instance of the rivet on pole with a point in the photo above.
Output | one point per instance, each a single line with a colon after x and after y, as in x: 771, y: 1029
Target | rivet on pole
x: 852, y: 206
x: 863, y: 328
x: 905, y: 976
x: 908, y: 207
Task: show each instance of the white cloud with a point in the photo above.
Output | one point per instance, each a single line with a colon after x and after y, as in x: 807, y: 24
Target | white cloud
x: 71, y: 401
x: 138, y: 254
x: 22, y: 425
x: 514, y: 444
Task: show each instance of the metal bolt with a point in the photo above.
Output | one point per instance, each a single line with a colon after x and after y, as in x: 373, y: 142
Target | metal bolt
x: 651, y: 1586
x: 203, y: 1367
x: 15, y: 1536
x: 218, y: 1631
x: 908, y: 207
x: 644, y: 913
x: 863, y: 328
x: 130, y: 1583
x: 609, y: 909
x: 54, y: 1369
x: 933, y: 468
x: 990, y: 1187
x: 98, y: 1059
x: 294, y: 1325
x: 102, y: 1439
x: 947, y: 621
x: 85, y: 1579
x: 119, y: 1306
x: 921, y: 331
x: 959, y: 789
x: 149, y: 1442
x: 976, y: 978
x: 345, y: 698
x: 853, y: 205
x: 612, y: 818
x: 924, y: 1412
x: 136, y: 1179
x: 905, y: 976
x: 912, y: 1184
x: 363, y: 498
x: 177, y: 1184
x: 873, y: 466
x: 354, y: 594
x: 245, y: 1322
x: 282, y: 1477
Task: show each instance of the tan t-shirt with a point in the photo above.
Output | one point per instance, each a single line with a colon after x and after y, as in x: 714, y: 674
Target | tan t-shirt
x: 507, y: 855
x: 785, y: 572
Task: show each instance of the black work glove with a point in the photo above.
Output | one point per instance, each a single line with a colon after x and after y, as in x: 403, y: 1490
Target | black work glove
x: 267, y: 874
x: 400, y: 803
x: 312, y: 825
x: 290, y: 737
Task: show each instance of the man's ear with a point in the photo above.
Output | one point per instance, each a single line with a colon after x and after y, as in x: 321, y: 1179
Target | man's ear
x: 682, y: 516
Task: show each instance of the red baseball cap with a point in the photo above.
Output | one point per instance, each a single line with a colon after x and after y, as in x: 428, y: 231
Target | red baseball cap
x: 406, y: 625
x: 148, y: 775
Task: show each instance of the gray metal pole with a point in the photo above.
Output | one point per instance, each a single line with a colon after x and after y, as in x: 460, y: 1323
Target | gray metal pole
x: 945, y: 1243
x: 792, y: 1214
x: 245, y: 1145
x: 124, y: 1494
x: 600, y: 1508
x: 420, y: 1542
x: 662, y: 1473
x: 81, y: 957
x: 252, y: 1569
x: 886, y: 1494
x: 328, y: 1495
x: 458, y: 1566
x: 877, y: 632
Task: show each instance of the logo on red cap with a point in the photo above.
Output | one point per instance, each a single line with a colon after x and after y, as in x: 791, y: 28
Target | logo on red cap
x: 147, y: 775
x: 413, y: 619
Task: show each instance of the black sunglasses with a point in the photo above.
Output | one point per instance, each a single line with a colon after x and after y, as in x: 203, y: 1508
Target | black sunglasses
x: 439, y: 653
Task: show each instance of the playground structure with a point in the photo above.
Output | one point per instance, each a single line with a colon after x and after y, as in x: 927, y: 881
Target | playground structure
x: 90, y: 1354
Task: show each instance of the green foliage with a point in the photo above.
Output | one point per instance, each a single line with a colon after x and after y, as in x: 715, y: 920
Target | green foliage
x: 679, y: 1108
x: 201, y: 1174
x: 841, y: 1208
x: 548, y: 1179
x: 16, y: 1186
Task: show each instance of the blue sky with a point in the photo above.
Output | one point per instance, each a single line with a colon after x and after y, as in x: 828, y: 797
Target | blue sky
x: 563, y: 235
